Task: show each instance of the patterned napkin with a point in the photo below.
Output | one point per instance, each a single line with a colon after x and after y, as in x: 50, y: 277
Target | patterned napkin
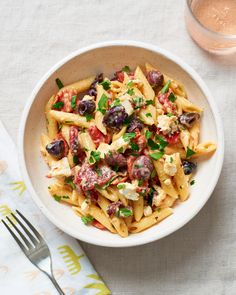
x: 71, y: 267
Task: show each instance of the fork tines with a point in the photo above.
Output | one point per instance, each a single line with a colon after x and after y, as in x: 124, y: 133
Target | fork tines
x: 30, y: 241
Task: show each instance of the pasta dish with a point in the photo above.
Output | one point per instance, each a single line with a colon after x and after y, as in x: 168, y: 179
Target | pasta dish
x: 122, y: 151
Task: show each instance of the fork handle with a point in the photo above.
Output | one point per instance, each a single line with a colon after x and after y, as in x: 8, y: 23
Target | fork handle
x: 56, y: 284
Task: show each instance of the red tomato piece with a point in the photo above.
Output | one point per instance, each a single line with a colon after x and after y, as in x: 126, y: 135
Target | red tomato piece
x: 98, y: 225
x: 120, y: 76
x: 140, y: 140
x: 97, y: 136
x: 168, y: 106
x: 173, y: 139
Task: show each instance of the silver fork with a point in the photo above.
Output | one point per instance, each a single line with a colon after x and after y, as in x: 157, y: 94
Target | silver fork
x: 36, y: 250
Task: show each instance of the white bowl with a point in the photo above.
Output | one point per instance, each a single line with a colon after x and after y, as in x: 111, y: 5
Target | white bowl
x: 107, y: 58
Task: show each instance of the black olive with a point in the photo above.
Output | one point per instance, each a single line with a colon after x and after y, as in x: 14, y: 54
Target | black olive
x: 188, y: 119
x: 142, y: 168
x: 189, y: 167
x: 92, y: 90
x: 115, y: 117
x: 86, y: 107
x: 135, y: 124
x: 56, y: 148
x: 155, y: 78
x: 116, y: 159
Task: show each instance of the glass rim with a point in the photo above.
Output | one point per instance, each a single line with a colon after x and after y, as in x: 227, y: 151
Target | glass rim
x: 224, y: 36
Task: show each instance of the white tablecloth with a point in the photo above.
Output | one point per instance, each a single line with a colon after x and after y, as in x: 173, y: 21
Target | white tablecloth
x: 201, y: 257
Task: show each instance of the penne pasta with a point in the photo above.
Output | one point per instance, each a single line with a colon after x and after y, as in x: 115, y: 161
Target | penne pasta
x: 52, y: 125
x: 80, y: 86
x: 180, y: 179
x: 70, y: 119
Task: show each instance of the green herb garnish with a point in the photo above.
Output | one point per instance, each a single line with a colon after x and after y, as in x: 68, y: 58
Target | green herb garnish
x: 169, y: 115
x: 120, y: 150
x: 153, y: 145
x: 94, y: 157
x: 102, y: 104
x: 69, y: 181
x: 58, y: 105
x: 126, y: 69
x: 59, y: 83
x: 130, y: 91
x: 87, y: 219
x: 107, y: 183
x: 124, y: 212
x: 148, y: 115
x: 68, y: 122
x: 172, y: 97
x: 75, y: 160
x: 58, y: 198
x: 130, y: 83
x: 157, y: 155
x: 73, y: 102
x: 189, y: 152
x: 134, y: 146
x: 88, y: 117
x: 116, y: 102
x: 171, y: 159
x: 120, y: 186
x: 166, y: 87
x: 148, y: 102
x: 138, y: 102
x: 140, y: 182
x: 148, y: 134
x: 106, y: 84
x: 162, y: 142
x: 128, y: 120
x: 128, y: 136
x: 153, y: 174
x: 192, y: 182
x: 60, y: 126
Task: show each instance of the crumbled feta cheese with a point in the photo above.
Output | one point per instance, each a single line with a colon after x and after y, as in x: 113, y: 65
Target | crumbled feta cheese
x: 167, y: 124
x: 128, y: 107
x: 85, y: 205
x: 147, y: 211
x: 159, y: 197
x: 60, y: 168
x: 169, y: 166
x: 128, y: 190
x: 88, y: 97
x: 167, y: 181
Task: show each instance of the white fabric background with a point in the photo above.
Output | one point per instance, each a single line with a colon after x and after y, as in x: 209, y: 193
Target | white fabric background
x: 201, y: 257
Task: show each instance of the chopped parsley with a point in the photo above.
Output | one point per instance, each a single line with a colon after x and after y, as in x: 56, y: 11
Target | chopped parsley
x: 58, y: 198
x: 126, y: 69
x: 59, y: 83
x: 120, y: 186
x: 68, y: 122
x: 69, y: 181
x: 153, y: 145
x: 169, y: 115
x: 60, y: 126
x: 124, y: 212
x: 120, y: 150
x: 128, y: 120
x: 172, y: 97
x: 148, y: 115
x: 130, y: 83
x: 192, y: 182
x: 171, y: 159
x: 88, y: 117
x: 115, y: 168
x: 148, y: 134
x: 189, y: 152
x: 102, y: 104
x: 156, y: 155
x: 94, y: 157
x: 106, y: 84
x: 138, y: 102
x: 134, y: 146
x: 148, y: 102
x: 140, y: 182
x: 153, y: 174
x: 116, y: 102
x: 130, y: 91
x: 73, y: 102
x: 162, y: 142
x: 75, y: 160
x: 107, y: 183
x: 166, y: 87
x: 87, y: 219
x: 58, y: 105
x: 128, y: 136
